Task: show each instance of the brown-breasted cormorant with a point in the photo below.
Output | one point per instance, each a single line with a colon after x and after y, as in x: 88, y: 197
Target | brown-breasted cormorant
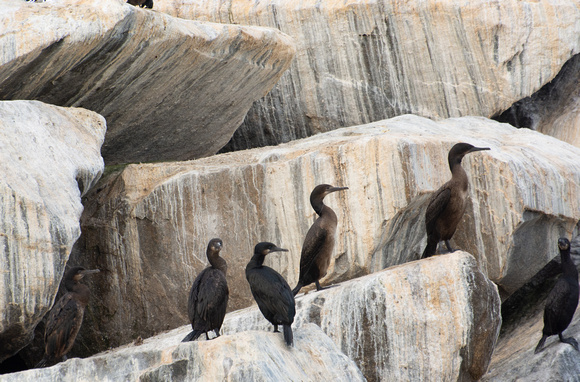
x: 562, y: 300
x: 448, y: 203
x: 319, y: 241
x: 209, y: 295
x: 66, y: 317
x: 271, y: 291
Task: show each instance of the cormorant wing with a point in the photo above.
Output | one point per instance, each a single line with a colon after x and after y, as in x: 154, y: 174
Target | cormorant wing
x: 436, y: 206
x: 561, y: 304
x: 313, y: 244
x: 273, y: 294
x: 213, y: 294
x: 63, y: 322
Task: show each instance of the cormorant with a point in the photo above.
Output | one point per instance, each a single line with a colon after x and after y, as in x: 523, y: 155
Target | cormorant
x: 448, y: 203
x: 562, y: 300
x: 141, y: 3
x: 271, y: 291
x: 209, y: 295
x: 319, y: 241
x: 66, y: 317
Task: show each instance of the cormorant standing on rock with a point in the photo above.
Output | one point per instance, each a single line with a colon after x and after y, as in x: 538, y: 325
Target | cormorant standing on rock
x: 66, y: 317
x: 448, y: 203
x: 209, y: 295
x: 271, y: 291
x: 319, y: 241
x: 562, y: 300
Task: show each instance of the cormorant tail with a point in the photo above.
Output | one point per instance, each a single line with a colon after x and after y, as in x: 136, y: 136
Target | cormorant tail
x: 43, y: 362
x: 540, y: 344
x: 297, y: 289
x: 288, y: 336
x: 430, y: 250
x: 192, y: 336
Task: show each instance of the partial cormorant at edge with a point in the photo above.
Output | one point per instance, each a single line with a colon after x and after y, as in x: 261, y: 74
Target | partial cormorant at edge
x: 319, y: 242
x: 562, y: 300
x: 271, y: 291
x: 448, y: 203
x: 208, y: 298
x: 66, y: 317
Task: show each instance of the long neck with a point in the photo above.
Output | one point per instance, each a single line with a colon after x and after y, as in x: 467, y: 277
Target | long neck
x: 256, y: 261
x: 568, y: 266
x: 82, y: 292
x: 318, y: 205
x: 458, y: 174
x: 216, y: 261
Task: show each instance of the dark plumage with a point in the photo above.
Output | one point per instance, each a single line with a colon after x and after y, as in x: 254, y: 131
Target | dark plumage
x: 66, y: 317
x: 562, y: 300
x: 141, y: 3
x: 271, y: 291
x: 209, y: 295
x: 447, y: 204
x: 319, y: 241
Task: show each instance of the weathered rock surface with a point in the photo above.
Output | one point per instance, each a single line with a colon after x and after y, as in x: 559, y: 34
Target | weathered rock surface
x: 170, y: 89
x: 362, y: 61
x: 247, y: 356
x: 553, y: 109
x: 435, y: 319
x: 49, y: 158
x: 148, y: 226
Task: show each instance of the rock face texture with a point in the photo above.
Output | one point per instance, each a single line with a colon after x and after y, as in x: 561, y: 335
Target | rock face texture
x: 148, y: 226
x: 247, y: 356
x: 434, y: 319
x: 49, y: 158
x: 363, y: 61
x: 170, y: 89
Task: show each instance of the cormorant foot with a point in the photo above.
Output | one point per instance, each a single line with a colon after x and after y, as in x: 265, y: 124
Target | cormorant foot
x: 570, y: 341
x: 449, y: 248
x: 319, y: 287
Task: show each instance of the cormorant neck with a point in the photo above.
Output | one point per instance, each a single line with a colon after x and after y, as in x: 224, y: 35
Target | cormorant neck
x: 217, y: 261
x: 82, y: 292
x: 568, y: 266
x: 318, y: 206
x: 257, y: 260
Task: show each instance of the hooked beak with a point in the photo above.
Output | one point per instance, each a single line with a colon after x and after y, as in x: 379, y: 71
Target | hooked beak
x: 89, y: 271
x: 334, y: 189
x: 478, y: 149
x: 278, y: 249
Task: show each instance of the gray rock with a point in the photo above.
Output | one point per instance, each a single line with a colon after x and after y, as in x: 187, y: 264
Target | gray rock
x: 170, y: 89
x: 49, y: 158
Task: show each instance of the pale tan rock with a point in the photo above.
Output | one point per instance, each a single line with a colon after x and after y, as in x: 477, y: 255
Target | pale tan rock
x: 149, y: 226
x: 362, y: 61
x: 170, y: 89
x: 49, y: 158
x: 247, y: 356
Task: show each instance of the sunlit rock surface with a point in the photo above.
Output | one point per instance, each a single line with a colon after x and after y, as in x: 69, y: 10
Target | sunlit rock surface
x: 363, y: 61
x: 49, y: 157
x: 247, y: 356
x: 148, y: 226
x: 170, y: 89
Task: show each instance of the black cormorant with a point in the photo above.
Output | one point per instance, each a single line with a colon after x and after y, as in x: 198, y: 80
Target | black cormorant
x: 562, y: 300
x: 209, y: 295
x: 448, y: 203
x: 271, y: 291
x: 66, y: 317
x: 319, y: 241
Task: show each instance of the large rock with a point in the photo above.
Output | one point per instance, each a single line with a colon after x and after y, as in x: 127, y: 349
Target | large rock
x: 49, y: 158
x: 149, y: 225
x: 170, y: 89
x: 435, y: 319
x: 362, y: 61
x: 247, y: 356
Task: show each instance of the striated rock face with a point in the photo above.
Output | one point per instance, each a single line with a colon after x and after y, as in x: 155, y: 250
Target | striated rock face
x: 170, y: 89
x: 435, y: 319
x: 148, y: 226
x: 49, y: 157
x: 247, y: 356
x: 364, y: 61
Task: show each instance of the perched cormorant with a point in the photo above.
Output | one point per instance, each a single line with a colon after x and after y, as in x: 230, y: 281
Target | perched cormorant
x: 448, y: 203
x: 562, y: 300
x: 319, y: 241
x: 271, y: 291
x: 66, y: 317
x: 209, y: 295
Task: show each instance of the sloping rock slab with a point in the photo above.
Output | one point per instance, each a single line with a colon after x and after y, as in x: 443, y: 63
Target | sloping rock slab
x: 367, y: 60
x: 247, y: 356
x: 49, y: 158
x: 435, y: 319
x: 170, y: 89
x: 149, y: 225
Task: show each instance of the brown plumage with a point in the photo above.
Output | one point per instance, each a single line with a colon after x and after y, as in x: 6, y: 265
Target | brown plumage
x: 319, y: 242
x: 66, y: 317
x: 562, y: 300
x: 208, y: 298
x: 448, y: 203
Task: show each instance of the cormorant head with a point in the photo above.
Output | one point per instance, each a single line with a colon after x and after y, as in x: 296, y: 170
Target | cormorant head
x: 265, y: 248
x: 563, y: 244
x: 215, y: 245
x: 75, y: 274
x: 322, y: 190
x: 459, y: 150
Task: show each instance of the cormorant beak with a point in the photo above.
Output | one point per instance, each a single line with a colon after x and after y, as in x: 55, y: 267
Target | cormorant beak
x: 89, y: 271
x: 478, y: 149
x: 334, y: 189
x: 278, y: 249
